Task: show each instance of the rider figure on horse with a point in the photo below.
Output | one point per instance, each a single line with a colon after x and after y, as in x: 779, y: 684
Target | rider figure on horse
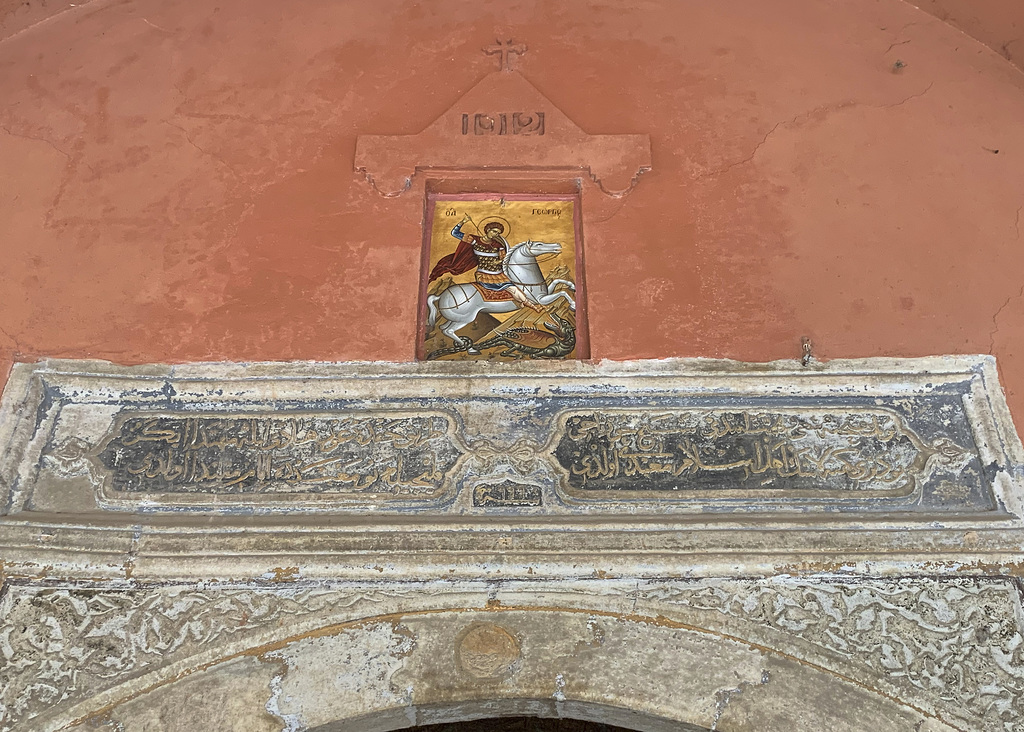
x: 487, y: 254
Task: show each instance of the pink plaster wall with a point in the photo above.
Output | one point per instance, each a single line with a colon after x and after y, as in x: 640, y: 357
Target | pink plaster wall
x: 999, y: 24
x: 176, y: 177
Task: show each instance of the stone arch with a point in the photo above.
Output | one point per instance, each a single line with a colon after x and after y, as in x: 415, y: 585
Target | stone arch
x: 651, y: 673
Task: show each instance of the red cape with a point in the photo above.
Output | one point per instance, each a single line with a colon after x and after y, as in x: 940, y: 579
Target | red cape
x: 463, y: 260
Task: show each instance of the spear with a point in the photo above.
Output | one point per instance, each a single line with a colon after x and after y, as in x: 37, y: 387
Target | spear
x: 470, y: 220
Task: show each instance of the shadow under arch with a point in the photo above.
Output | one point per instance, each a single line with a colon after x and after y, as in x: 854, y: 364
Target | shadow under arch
x: 523, y: 724
x: 610, y: 719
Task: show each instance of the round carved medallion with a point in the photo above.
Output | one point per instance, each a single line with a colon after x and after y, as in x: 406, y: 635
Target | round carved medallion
x: 487, y: 651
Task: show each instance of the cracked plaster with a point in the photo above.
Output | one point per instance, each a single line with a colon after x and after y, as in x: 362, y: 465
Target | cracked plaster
x: 817, y: 113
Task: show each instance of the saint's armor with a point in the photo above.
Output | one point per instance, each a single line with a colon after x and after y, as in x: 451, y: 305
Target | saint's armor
x: 486, y: 253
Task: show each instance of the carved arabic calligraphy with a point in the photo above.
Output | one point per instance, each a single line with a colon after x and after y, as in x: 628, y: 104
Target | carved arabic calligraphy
x: 507, y: 494
x: 390, y: 454
x: 705, y: 449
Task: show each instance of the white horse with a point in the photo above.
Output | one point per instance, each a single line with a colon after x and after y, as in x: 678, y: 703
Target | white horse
x: 459, y: 304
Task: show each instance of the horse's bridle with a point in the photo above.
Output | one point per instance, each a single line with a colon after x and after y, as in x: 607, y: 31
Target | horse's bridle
x: 504, y: 261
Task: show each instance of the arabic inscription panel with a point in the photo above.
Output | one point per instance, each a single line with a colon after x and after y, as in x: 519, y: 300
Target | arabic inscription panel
x: 473, y: 439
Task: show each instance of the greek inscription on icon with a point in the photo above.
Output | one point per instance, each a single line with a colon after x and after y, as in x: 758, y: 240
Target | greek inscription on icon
x: 500, y: 283
x: 515, y: 123
x: 389, y: 455
x: 633, y: 452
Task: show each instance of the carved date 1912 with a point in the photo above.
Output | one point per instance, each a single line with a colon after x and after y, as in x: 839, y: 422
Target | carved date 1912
x: 515, y: 123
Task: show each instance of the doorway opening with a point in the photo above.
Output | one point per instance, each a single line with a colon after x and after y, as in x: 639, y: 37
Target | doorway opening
x: 522, y: 724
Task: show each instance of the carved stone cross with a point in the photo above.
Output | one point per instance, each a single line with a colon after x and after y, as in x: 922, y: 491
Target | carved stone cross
x: 505, y: 49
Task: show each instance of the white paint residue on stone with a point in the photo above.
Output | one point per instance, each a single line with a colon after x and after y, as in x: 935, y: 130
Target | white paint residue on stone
x: 559, y: 694
x: 335, y: 676
x: 292, y: 722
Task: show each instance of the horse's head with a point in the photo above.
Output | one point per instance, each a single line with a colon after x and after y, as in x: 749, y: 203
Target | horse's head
x: 534, y: 249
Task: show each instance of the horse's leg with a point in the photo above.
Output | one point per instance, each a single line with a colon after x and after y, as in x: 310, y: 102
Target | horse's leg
x: 450, y: 308
x: 560, y: 295
x: 481, y: 306
x: 555, y: 283
x: 450, y: 328
x: 460, y: 306
x: 431, y: 312
x: 468, y: 315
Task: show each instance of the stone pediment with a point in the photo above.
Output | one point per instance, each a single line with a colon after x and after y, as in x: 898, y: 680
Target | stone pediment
x: 503, y: 123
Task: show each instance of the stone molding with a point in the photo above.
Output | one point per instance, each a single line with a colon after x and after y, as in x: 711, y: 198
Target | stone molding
x: 503, y: 118
x: 961, y: 450
x: 113, y: 590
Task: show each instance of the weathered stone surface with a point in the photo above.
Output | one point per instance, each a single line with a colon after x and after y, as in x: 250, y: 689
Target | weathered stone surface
x: 808, y: 451
x: 385, y: 454
x: 487, y: 652
x: 657, y: 438
x: 507, y: 494
x: 231, y: 698
x: 949, y: 648
x: 660, y: 546
x: 961, y: 639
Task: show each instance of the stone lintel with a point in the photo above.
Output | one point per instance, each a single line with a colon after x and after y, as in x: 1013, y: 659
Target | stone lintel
x: 683, y: 467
